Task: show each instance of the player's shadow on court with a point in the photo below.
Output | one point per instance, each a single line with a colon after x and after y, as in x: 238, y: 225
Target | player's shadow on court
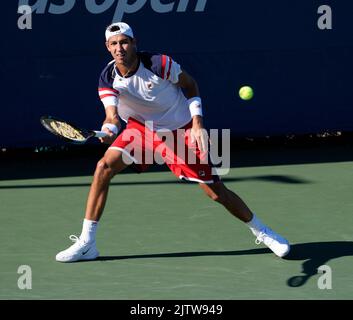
x: 269, y: 178
x: 315, y: 255
x: 186, y: 254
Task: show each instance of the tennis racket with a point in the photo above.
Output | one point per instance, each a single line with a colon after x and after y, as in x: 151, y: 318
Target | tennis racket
x: 69, y: 131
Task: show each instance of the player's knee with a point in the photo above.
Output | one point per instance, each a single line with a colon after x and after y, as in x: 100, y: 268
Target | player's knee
x: 214, y: 196
x: 221, y: 196
x: 216, y: 193
x: 104, y: 170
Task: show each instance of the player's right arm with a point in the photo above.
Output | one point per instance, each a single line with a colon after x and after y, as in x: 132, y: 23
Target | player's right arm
x: 109, y: 98
x: 111, y: 117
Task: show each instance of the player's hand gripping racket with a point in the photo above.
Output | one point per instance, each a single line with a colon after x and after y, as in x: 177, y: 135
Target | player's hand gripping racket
x: 68, y: 131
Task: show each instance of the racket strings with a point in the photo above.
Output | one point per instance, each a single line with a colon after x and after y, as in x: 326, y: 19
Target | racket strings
x: 66, y: 130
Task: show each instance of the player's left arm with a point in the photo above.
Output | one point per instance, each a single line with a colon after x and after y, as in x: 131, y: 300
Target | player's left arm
x: 189, y: 84
x: 192, y: 93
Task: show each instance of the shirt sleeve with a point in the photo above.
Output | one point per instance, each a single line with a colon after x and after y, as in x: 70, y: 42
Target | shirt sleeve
x: 107, y: 94
x: 170, y: 69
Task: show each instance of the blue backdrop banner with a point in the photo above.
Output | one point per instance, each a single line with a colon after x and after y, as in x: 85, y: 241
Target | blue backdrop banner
x: 297, y: 56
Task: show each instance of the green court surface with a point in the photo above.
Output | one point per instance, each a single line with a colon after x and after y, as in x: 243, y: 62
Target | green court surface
x: 163, y: 239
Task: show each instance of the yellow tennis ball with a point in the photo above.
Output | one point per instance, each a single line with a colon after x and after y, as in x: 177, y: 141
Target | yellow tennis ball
x: 246, y: 93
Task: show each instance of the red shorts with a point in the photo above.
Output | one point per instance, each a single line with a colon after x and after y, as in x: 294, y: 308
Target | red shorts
x: 143, y: 147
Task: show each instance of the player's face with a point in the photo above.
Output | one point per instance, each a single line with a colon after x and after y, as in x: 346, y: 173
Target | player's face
x: 122, y: 48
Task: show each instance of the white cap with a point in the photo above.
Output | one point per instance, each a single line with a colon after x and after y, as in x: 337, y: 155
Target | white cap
x: 120, y: 28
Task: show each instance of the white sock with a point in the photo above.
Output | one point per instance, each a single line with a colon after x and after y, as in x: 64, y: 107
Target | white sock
x: 255, y: 224
x: 89, y: 229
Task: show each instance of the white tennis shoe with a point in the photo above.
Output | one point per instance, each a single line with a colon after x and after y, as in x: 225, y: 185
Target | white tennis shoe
x: 80, y: 250
x: 279, y: 245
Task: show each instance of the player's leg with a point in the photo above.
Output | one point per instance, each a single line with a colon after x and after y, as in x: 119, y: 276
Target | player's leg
x: 201, y: 171
x: 84, y: 247
x: 111, y: 164
x: 235, y: 205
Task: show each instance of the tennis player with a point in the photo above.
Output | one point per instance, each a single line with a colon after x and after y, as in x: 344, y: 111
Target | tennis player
x: 152, y: 94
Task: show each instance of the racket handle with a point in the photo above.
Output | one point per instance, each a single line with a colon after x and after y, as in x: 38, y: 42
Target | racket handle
x: 100, y: 134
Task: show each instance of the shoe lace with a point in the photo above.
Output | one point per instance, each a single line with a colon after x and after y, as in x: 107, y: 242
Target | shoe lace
x: 260, y: 237
x: 74, y: 238
x: 266, y: 236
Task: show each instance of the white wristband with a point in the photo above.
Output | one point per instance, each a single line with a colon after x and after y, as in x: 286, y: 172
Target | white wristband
x: 112, y: 127
x: 195, y: 106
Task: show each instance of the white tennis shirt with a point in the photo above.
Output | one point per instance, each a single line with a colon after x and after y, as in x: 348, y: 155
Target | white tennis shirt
x: 150, y: 94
